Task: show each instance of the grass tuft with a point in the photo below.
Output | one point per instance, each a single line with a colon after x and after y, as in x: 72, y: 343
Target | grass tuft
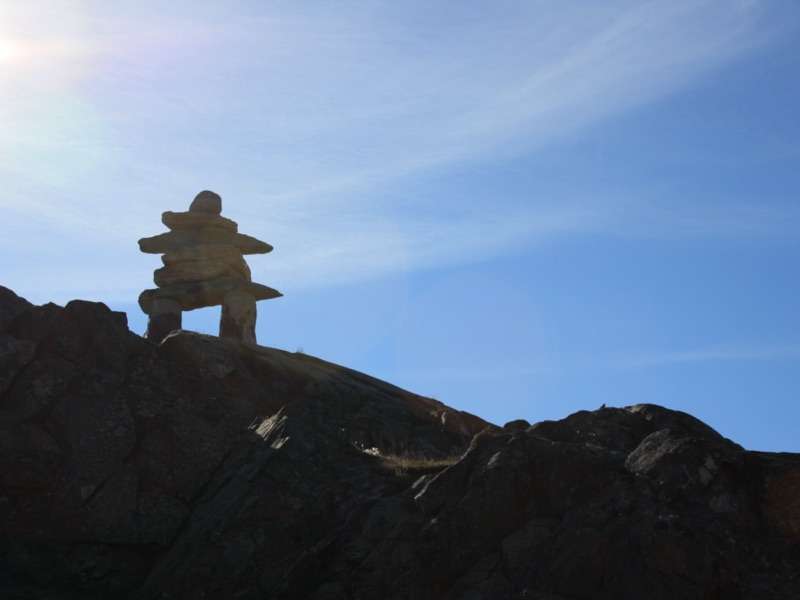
x: 413, y: 465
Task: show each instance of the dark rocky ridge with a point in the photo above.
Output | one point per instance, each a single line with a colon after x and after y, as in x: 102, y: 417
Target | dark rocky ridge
x: 202, y: 468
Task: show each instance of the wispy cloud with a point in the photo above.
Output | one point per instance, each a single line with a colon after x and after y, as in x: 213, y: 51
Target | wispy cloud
x: 726, y: 353
x: 570, y: 365
x: 311, y: 119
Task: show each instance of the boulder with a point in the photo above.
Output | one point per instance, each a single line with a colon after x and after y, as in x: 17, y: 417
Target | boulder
x: 516, y: 425
x: 197, y: 220
x: 11, y: 305
x: 205, y: 293
x: 238, y: 320
x: 182, y: 239
x: 166, y: 316
x: 206, y: 202
x: 203, y: 252
x: 198, y: 271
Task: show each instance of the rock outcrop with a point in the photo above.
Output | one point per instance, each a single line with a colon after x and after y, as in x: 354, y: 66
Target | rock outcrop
x: 203, y: 467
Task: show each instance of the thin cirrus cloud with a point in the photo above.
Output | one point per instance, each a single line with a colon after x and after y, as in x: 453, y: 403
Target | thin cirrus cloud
x: 311, y: 119
x: 648, y: 359
x: 746, y: 352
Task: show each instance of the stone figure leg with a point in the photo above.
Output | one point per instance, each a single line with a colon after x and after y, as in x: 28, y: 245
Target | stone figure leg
x: 165, y: 317
x: 238, y: 317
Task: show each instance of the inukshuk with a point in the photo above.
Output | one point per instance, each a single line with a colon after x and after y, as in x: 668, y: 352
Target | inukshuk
x: 203, y: 266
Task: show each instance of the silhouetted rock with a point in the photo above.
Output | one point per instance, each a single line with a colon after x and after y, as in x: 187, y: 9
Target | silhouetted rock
x: 238, y: 319
x: 181, y: 239
x: 10, y: 306
x: 189, y: 272
x: 206, y: 202
x: 191, y: 295
x: 516, y: 425
x: 207, y: 468
x: 202, y: 253
x: 197, y: 220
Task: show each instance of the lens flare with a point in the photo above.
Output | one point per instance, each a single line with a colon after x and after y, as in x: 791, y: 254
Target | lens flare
x: 9, y: 51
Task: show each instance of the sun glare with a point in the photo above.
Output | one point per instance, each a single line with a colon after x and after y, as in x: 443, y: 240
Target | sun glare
x: 9, y: 51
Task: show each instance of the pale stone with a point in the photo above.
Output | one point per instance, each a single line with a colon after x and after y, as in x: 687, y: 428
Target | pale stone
x: 165, y: 317
x: 238, y: 317
x: 205, y: 293
x: 191, y: 271
x: 202, y: 252
x: 178, y: 240
x: 203, y: 266
x: 207, y: 202
x: 197, y: 220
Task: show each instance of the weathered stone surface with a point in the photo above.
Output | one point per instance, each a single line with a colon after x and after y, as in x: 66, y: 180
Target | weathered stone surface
x: 197, y: 220
x: 203, y: 252
x: 120, y: 480
x: 173, y: 241
x: 198, y: 271
x: 149, y: 472
x: 14, y: 356
x: 10, y: 306
x: 516, y: 425
x: 238, y: 319
x: 205, y: 293
x: 29, y: 456
x: 782, y: 494
x: 165, y: 316
x: 206, y: 202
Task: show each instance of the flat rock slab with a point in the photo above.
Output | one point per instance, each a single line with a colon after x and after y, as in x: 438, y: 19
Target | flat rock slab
x: 202, y: 253
x: 193, y: 295
x: 173, y: 241
x: 186, y: 272
x: 197, y: 220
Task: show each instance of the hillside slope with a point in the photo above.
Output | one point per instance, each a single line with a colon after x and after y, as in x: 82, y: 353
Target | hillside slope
x: 203, y: 468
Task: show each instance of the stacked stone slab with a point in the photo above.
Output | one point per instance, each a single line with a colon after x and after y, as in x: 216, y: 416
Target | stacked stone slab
x: 203, y: 256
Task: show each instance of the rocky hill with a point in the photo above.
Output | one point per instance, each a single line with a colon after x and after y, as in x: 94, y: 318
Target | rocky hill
x: 204, y: 468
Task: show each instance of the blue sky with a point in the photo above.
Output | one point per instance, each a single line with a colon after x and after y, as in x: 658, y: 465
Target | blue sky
x: 520, y: 208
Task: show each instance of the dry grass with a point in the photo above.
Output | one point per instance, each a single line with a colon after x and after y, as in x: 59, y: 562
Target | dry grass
x: 409, y: 465
x: 412, y: 465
